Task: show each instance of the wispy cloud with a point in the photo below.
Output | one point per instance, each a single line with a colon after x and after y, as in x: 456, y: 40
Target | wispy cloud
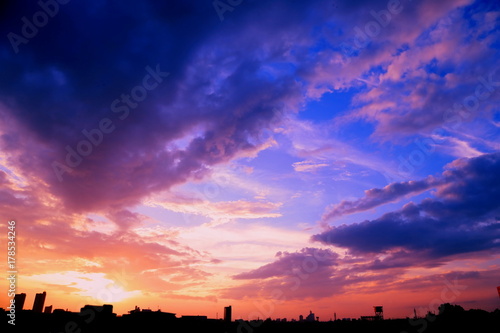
x: 219, y: 212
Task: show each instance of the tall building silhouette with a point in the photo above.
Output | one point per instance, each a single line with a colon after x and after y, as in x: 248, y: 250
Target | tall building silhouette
x: 19, y: 300
x: 227, y: 313
x: 39, y: 302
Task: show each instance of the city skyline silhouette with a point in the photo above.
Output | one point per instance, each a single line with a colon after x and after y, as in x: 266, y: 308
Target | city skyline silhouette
x: 101, y: 318
x: 227, y: 160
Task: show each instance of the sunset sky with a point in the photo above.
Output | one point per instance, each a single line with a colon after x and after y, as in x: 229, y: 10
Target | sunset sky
x: 277, y: 156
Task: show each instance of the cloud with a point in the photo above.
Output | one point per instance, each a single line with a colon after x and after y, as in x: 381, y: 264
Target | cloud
x: 313, y: 273
x: 376, y: 197
x: 391, y: 193
x: 220, y: 93
x: 308, y: 166
x: 227, y: 84
x: 436, y: 77
x: 412, y: 79
x: 219, y: 212
x: 217, y: 96
x: 288, y: 262
x: 459, y: 220
x: 126, y: 219
x: 306, y: 273
x: 55, y: 241
x: 322, y: 146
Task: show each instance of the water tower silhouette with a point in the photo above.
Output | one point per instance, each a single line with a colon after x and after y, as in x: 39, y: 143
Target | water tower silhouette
x: 379, y: 312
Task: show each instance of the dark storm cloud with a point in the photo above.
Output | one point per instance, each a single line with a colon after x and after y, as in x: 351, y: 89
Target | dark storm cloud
x: 75, y: 74
x: 461, y: 219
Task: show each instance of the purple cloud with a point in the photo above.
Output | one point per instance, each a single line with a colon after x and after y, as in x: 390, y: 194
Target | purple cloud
x: 287, y: 263
x: 376, y: 197
x: 287, y: 278
x: 217, y: 98
x: 461, y: 219
x: 220, y: 92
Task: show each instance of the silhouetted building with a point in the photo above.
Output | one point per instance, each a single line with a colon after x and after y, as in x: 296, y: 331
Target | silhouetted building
x: 227, y: 313
x: 301, y: 318
x: 147, y: 314
x: 19, y: 300
x: 48, y: 309
x: 194, y: 317
x: 379, y: 314
x: 452, y: 318
x: 106, y: 309
x: 97, y: 312
x: 310, y: 316
x: 39, y: 302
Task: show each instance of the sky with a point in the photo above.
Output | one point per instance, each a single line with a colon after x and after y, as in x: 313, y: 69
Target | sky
x: 276, y: 156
